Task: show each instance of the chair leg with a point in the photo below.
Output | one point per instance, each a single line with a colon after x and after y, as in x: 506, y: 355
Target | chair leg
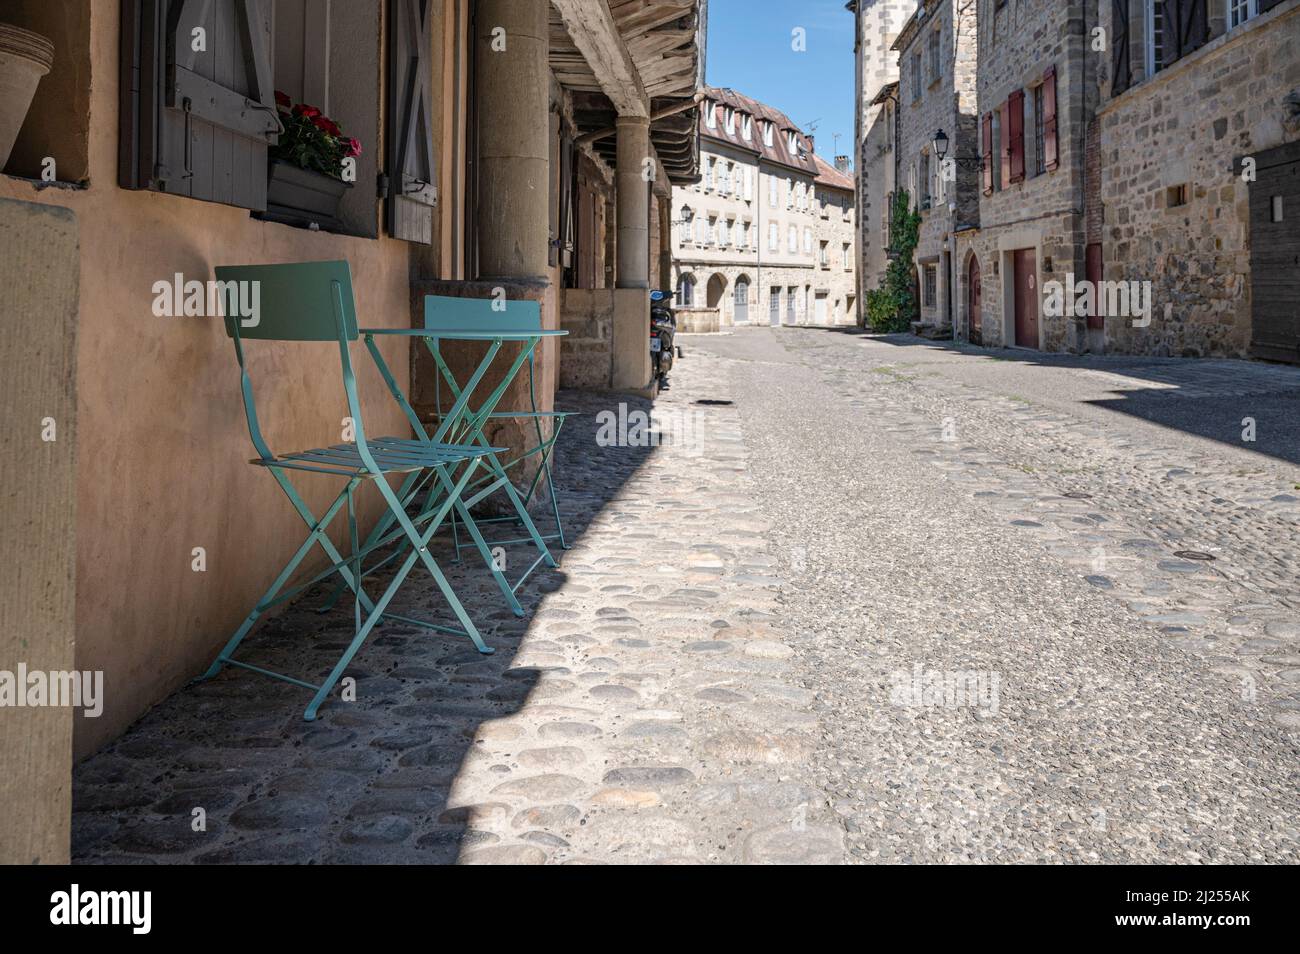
x: 316, y: 536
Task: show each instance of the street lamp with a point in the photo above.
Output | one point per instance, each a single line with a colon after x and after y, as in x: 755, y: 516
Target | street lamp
x: 687, y: 216
x: 940, y: 146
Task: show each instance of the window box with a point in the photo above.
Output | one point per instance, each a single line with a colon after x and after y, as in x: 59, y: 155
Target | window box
x: 302, y: 197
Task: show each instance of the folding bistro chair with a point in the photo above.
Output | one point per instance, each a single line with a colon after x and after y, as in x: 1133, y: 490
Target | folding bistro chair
x: 444, y: 316
x: 481, y: 320
x: 313, y: 301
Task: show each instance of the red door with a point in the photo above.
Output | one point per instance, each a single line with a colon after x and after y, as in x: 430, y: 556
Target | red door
x: 1093, y: 262
x: 973, y: 302
x: 1026, y: 292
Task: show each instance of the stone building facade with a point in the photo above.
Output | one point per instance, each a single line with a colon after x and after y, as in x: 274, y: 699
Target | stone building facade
x: 748, y: 238
x: 1037, y: 82
x: 877, y: 26
x: 1139, y: 162
x: 937, y: 93
x: 1181, y: 210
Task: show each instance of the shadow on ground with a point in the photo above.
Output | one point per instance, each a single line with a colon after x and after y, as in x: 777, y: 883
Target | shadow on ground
x: 227, y: 771
x: 1212, y: 398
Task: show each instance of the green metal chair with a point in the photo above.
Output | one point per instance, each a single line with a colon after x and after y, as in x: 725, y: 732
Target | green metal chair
x: 313, y: 301
x: 493, y: 323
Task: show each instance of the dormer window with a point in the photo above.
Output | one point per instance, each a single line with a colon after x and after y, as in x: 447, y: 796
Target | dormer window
x: 710, y: 114
x: 767, y: 133
x: 747, y: 127
x: 794, y: 143
x: 731, y: 121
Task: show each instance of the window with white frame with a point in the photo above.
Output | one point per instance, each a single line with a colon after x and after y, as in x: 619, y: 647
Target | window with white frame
x: 807, y: 241
x: 789, y: 192
x: 792, y: 239
x: 713, y: 232
x: 710, y: 114
x: 1239, y: 11
x: 769, y: 131
x: 793, y: 142
x: 746, y: 127
x: 773, y: 236
x: 749, y: 183
x: 724, y: 178
x: 708, y: 174
x: 701, y: 231
x: 686, y: 292
x: 739, y: 231
x: 724, y: 234
x: 771, y: 191
x: 1155, y: 36
x: 731, y: 121
x: 824, y: 255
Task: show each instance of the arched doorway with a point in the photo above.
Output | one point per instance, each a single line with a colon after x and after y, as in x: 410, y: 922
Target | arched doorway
x: 742, y: 300
x: 974, y: 330
x: 714, y: 291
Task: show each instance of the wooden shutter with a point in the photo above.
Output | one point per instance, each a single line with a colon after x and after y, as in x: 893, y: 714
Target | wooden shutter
x: 1004, y: 143
x: 565, y: 239
x: 1016, y: 135
x: 1186, y: 27
x: 1051, y: 148
x: 197, y: 122
x: 411, y: 195
x: 1121, y: 64
x: 988, y: 154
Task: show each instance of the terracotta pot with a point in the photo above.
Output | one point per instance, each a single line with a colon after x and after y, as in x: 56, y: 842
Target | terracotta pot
x: 24, y: 58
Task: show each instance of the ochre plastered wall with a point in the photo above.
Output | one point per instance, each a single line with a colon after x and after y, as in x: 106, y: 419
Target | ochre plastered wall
x: 163, y: 444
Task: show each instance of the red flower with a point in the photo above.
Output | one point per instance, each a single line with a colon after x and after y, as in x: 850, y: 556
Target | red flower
x: 282, y: 100
x: 352, y: 147
x: 327, y: 126
x: 302, y: 109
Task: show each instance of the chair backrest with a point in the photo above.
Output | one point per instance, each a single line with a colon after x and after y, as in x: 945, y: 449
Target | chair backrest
x: 442, y: 313
x: 291, y: 302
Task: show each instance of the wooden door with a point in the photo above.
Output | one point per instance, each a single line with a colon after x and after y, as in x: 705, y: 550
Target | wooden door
x: 1275, y: 255
x: 1025, y: 291
x: 974, y: 331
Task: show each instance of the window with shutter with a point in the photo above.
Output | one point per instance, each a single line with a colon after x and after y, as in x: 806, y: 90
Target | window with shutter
x: 1051, y: 146
x: 1004, y: 144
x: 412, y: 196
x: 1016, y: 135
x: 197, y: 122
x: 1121, y: 66
x: 987, y: 164
x: 1186, y: 28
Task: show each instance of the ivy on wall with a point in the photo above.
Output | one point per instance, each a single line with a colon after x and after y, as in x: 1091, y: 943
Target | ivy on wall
x: 893, y: 306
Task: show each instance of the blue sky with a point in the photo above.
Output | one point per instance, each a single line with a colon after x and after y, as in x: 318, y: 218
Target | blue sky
x: 750, y: 50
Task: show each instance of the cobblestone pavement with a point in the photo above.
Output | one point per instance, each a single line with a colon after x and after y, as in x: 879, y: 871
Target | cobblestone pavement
x: 725, y: 666
x: 932, y: 520
x: 646, y: 710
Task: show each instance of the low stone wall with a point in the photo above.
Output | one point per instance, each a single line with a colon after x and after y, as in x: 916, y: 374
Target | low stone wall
x: 587, y: 351
x: 695, y: 321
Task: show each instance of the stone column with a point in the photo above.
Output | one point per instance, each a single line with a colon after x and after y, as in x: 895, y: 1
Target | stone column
x: 512, y: 39
x: 633, y: 159
x: 631, y: 332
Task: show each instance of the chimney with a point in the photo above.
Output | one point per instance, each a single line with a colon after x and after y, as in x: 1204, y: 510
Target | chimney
x: 812, y: 143
x: 842, y: 165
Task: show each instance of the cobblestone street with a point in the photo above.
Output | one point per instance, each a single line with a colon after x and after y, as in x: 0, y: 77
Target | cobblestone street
x: 724, y: 666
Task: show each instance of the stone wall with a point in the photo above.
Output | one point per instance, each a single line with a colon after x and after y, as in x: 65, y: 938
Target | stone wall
x: 1187, y: 126
x: 586, y: 352
x: 1017, y: 45
x: 947, y: 102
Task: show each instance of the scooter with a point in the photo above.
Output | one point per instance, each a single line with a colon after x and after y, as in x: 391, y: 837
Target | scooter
x: 663, y: 326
